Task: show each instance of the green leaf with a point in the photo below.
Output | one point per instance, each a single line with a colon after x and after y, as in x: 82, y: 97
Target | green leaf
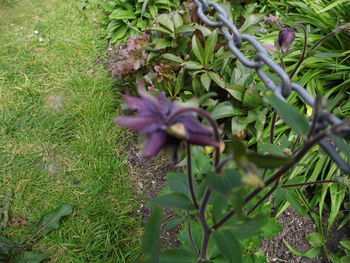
x: 173, y: 200
x: 249, y: 228
x: 345, y: 243
x: 289, y: 114
x: 201, y: 165
x: 205, y: 80
x: 252, y: 98
x: 165, y: 20
x: 51, y: 221
x: 177, y: 256
x: 151, y: 236
x: 337, y: 193
x: 236, y: 125
x: 271, y: 228
x: 334, y: 258
x: 8, y: 246
x: 179, y: 85
x: 315, y: 239
x: 312, y: 253
x: 30, y: 257
x: 342, y: 144
x: 219, y: 205
x: 250, y: 21
x: 120, y: 34
x: 224, y: 183
x: 228, y: 245
x: 185, y: 29
x: 162, y: 43
x: 345, y: 259
x: 267, y: 160
x: 198, y: 49
x: 217, y: 79
x: 238, y: 147
x: 178, y: 182
x: 178, y: 21
x: 172, y: 57
x: 120, y: 14
x: 192, y: 65
x: 210, y: 45
x: 293, y: 199
x: 269, y: 148
x: 225, y: 109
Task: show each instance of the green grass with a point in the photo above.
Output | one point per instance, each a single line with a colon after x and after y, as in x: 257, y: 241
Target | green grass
x: 56, y: 112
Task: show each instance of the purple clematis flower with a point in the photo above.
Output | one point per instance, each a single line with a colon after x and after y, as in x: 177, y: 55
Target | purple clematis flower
x: 285, y: 38
x: 153, y: 120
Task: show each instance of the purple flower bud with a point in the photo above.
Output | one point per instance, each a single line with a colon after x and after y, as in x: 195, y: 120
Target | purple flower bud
x: 285, y: 38
x: 152, y: 120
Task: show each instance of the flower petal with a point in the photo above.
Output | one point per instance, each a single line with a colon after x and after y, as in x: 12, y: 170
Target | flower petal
x: 193, y: 125
x: 136, y: 123
x: 200, y: 139
x: 134, y: 103
x: 157, y: 141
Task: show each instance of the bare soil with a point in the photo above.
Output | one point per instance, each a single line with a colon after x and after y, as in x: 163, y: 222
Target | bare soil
x: 149, y: 178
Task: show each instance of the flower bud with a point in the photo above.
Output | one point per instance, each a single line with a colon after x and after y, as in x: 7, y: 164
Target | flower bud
x: 253, y: 180
x: 286, y: 37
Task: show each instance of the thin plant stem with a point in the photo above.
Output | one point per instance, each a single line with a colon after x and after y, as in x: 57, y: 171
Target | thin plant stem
x: 307, y: 146
x: 263, y: 198
x: 272, y: 130
x: 285, y: 186
x: 308, y: 183
x: 302, y: 57
x: 223, y: 163
x: 314, y: 46
x: 316, y: 115
x: 274, y: 116
x: 203, y: 206
x: 194, y: 246
x: 205, y: 225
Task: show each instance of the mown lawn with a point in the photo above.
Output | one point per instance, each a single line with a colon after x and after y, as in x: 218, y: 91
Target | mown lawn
x: 58, y: 143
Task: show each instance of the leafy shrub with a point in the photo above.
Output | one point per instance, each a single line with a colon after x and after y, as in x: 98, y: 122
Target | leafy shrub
x: 192, y: 65
x: 131, y: 17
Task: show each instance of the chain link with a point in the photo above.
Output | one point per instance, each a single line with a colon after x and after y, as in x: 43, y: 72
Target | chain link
x: 235, y: 40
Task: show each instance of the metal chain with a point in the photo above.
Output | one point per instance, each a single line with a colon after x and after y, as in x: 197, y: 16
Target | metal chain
x: 235, y: 40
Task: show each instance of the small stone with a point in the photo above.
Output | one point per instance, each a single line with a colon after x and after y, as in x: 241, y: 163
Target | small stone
x: 140, y: 185
x: 153, y: 182
x: 36, y: 32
